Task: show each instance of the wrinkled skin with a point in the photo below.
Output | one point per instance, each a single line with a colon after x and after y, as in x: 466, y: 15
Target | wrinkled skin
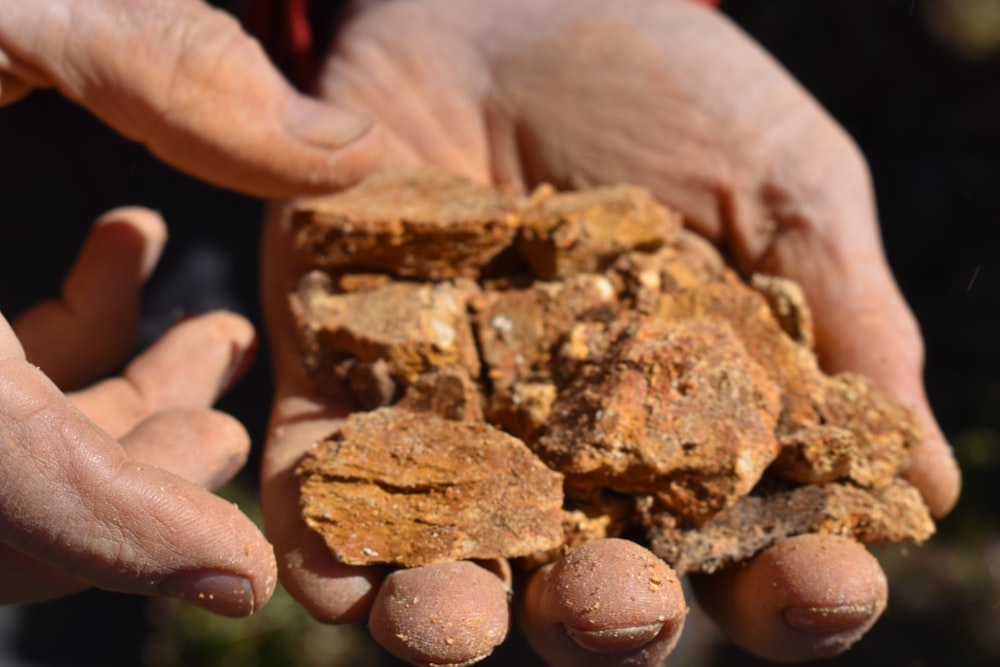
x: 106, y: 486
x: 672, y: 96
x: 512, y: 93
x: 109, y: 485
x: 184, y: 80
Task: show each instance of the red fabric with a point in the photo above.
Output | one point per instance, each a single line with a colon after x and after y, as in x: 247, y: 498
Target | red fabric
x: 283, y: 28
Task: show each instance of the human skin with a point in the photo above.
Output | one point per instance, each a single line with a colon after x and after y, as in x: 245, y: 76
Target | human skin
x: 96, y: 490
x: 109, y: 486
x: 184, y: 80
x: 666, y: 94
x: 699, y: 115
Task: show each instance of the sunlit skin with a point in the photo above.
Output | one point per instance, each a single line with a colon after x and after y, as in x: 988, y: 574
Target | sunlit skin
x: 663, y: 93
x: 106, y: 486
x: 109, y: 485
x: 184, y: 80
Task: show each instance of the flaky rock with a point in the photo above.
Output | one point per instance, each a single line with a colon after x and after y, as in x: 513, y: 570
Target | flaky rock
x: 565, y: 234
x: 893, y: 513
x: 409, y: 488
x: 414, y: 223
x: 666, y: 394
x: 413, y: 327
x: 854, y: 434
x: 679, y: 409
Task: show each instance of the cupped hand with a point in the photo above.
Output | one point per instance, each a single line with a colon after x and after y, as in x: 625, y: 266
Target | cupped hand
x: 108, y: 486
x: 672, y: 96
x: 186, y: 81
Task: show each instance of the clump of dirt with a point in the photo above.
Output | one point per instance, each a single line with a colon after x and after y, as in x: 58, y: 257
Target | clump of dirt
x: 534, y: 373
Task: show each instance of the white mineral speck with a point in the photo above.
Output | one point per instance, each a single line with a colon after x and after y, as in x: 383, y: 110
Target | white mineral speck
x: 444, y: 333
x: 502, y: 323
x: 605, y: 288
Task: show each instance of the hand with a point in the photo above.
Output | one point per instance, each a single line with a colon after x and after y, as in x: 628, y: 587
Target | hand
x: 665, y: 94
x: 107, y: 486
x: 184, y: 80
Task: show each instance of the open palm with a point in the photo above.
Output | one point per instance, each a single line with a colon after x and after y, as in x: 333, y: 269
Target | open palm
x: 669, y: 95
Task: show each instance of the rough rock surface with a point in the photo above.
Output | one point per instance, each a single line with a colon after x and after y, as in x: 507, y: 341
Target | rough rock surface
x: 641, y: 385
x: 416, y: 223
x: 891, y: 513
x: 408, y: 488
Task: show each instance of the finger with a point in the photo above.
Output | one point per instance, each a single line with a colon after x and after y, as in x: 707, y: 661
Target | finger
x: 186, y: 81
x: 609, y: 602
x: 190, y: 366
x: 71, y: 499
x: 932, y: 467
x: 867, y: 328
x: 90, y: 328
x: 204, y: 447
x: 805, y: 598
x: 443, y: 614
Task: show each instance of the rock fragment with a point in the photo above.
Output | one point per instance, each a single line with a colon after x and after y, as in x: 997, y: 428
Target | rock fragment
x: 678, y: 409
x: 588, y: 331
x: 892, y: 513
x: 412, y: 327
x: 409, y: 488
x: 414, y: 223
x: 566, y: 234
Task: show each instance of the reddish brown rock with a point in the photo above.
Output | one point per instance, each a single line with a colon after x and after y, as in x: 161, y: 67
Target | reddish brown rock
x: 414, y: 223
x: 568, y: 233
x: 893, y: 513
x: 644, y: 277
x: 523, y: 409
x: 412, y: 327
x: 749, y: 314
x: 449, y: 392
x: 394, y: 486
x: 518, y: 329
x: 855, y: 435
x: 677, y: 409
x: 788, y: 305
x: 673, y: 396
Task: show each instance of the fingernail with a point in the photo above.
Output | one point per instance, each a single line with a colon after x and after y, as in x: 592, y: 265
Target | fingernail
x: 219, y: 592
x: 828, y: 620
x: 322, y: 124
x: 616, y: 640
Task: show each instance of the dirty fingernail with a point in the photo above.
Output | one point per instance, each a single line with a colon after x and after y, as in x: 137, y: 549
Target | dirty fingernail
x: 219, y: 592
x: 616, y: 640
x: 828, y: 620
x: 322, y: 124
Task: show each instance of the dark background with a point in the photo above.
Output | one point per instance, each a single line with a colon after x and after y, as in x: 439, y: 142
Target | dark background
x: 916, y: 83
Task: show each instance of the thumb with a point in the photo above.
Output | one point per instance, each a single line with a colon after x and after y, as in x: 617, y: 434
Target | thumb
x: 71, y: 498
x: 187, y: 82
x: 870, y: 329
x: 825, y: 235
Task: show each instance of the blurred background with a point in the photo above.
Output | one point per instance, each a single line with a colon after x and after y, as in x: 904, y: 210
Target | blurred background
x: 915, y: 82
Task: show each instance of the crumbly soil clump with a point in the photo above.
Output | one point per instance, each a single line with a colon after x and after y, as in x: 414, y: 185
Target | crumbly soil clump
x: 530, y: 374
